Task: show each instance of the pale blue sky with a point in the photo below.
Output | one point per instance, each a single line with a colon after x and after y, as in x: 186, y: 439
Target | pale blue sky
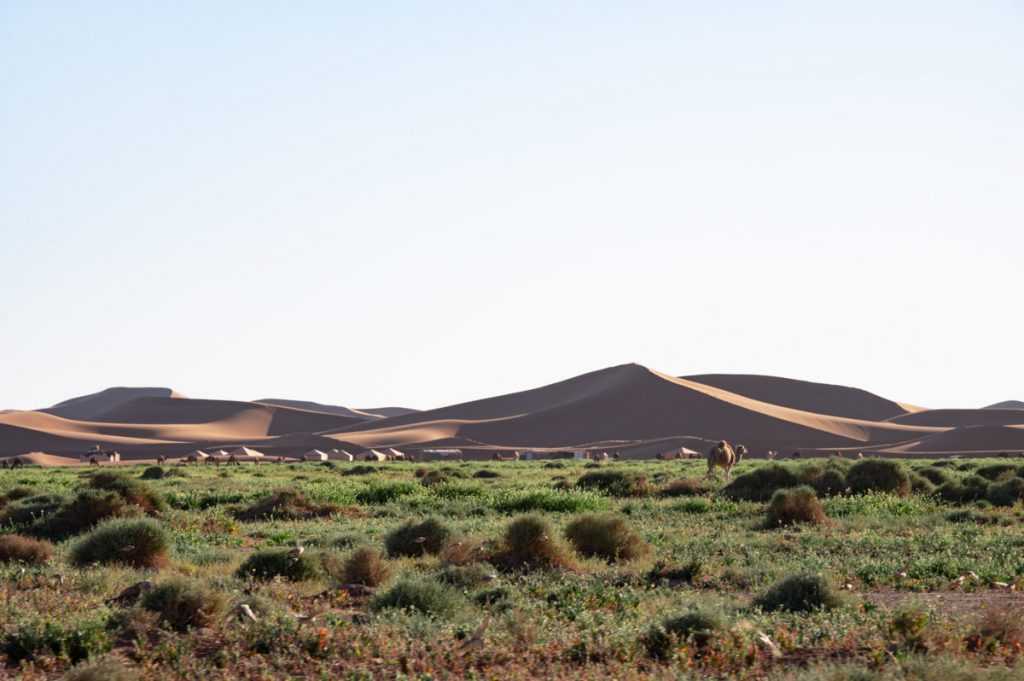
x: 422, y: 203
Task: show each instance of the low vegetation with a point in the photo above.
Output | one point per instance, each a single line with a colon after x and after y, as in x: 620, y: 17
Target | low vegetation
x: 141, y: 543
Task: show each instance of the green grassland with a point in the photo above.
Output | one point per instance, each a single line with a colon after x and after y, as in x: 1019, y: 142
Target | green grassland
x: 662, y: 579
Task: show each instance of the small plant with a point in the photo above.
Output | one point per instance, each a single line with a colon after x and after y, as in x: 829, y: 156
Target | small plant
x: 285, y: 504
x: 141, y: 543
x: 685, y: 487
x: 878, y: 475
x: 793, y: 506
x: 605, y: 536
x: 360, y: 469
x: 104, y: 670
x: 385, y: 492
x: 615, y: 483
x: 75, y: 642
x: 288, y: 564
x: 365, y: 566
x: 550, y: 501
x: 461, y: 551
x: 417, y: 539
x: 153, y: 473
x: 433, y: 478
x: 800, y: 593
x: 17, y: 549
x: 421, y: 595
x: 466, y: 576
x: 697, y: 627
x: 184, y: 604
x: 684, y: 574
x: 529, y: 543
x: 761, y: 483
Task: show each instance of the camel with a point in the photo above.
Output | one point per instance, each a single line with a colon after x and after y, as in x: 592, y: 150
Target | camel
x: 723, y: 454
x: 161, y: 460
x: 93, y: 461
x: 233, y: 461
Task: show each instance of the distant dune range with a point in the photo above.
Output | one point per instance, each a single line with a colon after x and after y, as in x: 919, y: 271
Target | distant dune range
x: 627, y: 408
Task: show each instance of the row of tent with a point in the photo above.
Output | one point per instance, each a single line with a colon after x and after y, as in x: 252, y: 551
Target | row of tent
x: 247, y: 453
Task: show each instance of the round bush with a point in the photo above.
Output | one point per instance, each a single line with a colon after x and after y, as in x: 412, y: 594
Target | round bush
x: 971, y: 488
x: 17, y: 549
x: 800, y: 593
x: 936, y: 476
x: 417, y: 539
x: 920, y: 484
x: 421, y: 595
x: 486, y: 473
x: 685, y: 487
x: 997, y: 471
x: 1006, y: 493
x: 134, y: 492
x: 795, y: 505
x: 365, y: 566
x: 761, y: 483
x: 605, y: 536
x: 286, y: 563
x: 285, y: 504
x: 878, y: 475
x: 139, y: 543
x: 153, y: 473
x: 183, y: 604
x: 529, y: 543
x: 698, y: 627
x: 615, y: 483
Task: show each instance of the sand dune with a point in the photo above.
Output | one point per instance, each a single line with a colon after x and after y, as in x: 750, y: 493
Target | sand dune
x: 1008, y: 404
x: 626, y: 408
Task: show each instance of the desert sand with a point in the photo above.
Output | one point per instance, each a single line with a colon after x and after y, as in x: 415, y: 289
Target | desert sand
x: 628, y: 409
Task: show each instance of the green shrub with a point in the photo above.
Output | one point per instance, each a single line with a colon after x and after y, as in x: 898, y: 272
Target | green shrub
x: 385, y: 492
x: 826, y: 481
x: 878, y: 475
x: 795, y: 505
x: 529, y: 543
x: 615, y: 483
x: 433, y: 478
x: 799, y: 593
x: 687, y: 573
x: 153, y: 473
x: 417, y: 539
x: 365, y: 566
x: 549, y: 501
x: 693, y: 505
x: 420, y: 595
x: 360, y: 469
x: 133, y: 491
x: 605, y: 536
x: 83, y: 512
x: 997, y: 471
x: 971, y: 488
x: 285, y: 504
x: 286, y: 563
x: 76, y: 641
x: 28, y: 510
x: 1006, y: 493
x: 920, y: 484
x: 466, y: 576
x: 936, y: 476
x: 16, y: 549
x: 761, y: 483
x: 697, y: 627
x: 183, y: 604
x: 486, y: 473
x: 141, y: 543
x: 14, y: 494
x: 685, y: 487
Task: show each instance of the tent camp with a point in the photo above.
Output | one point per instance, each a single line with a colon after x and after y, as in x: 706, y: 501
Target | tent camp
x: 339, y: 455
x: 374, y: 455
x: 315, y: 455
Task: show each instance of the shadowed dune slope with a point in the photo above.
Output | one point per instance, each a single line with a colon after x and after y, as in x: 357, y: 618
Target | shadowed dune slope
x: 821, y: 398
x: 1008, y: 404
x: 360, y: 414
x: 986, y: 439
x: 955, y: 418
x: 91, y: 406
x: 630, y: 403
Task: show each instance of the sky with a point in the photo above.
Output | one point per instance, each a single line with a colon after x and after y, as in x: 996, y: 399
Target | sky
x: 418, y: 204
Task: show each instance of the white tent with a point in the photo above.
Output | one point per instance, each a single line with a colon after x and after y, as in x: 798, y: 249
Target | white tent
x: 340, y: 455
x: 245, y: 451
x: 314, y: 455
x: 374, y: 455
x: 395, y: 454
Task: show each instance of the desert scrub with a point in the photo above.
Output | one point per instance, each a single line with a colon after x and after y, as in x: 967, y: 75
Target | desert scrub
x: 104, y: 670
x: 605, y: 536
x: 153, y: 473
x: 17, y: 549
x: 87, y: 509
x: 998, y: 471
x: 288, y: 564
x: 697, y: 627
x: 529, y: 543
x: 421, y: 595
x: 1006, y: 493
x: 366, y: 566
x: 799, y: 593
x: 549, y: 501
x: 878, y: 475
x: 793, y: 506
x: 141, y: 543
x: 685, y: 487
x: 615, y: 483
x: 761, y: 483
x: 74, y: 641
x: 417, y: 539
x: 285, y: 504
x: 133, y: 491
x: 385, y: 492
x: 182, y: 604
x: 971, y: 488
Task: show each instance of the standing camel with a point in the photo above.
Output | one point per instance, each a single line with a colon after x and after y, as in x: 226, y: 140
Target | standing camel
x: 723, y: 454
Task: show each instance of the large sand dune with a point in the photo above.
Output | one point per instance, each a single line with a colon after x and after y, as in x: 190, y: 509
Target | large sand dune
x: 627, y: 408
